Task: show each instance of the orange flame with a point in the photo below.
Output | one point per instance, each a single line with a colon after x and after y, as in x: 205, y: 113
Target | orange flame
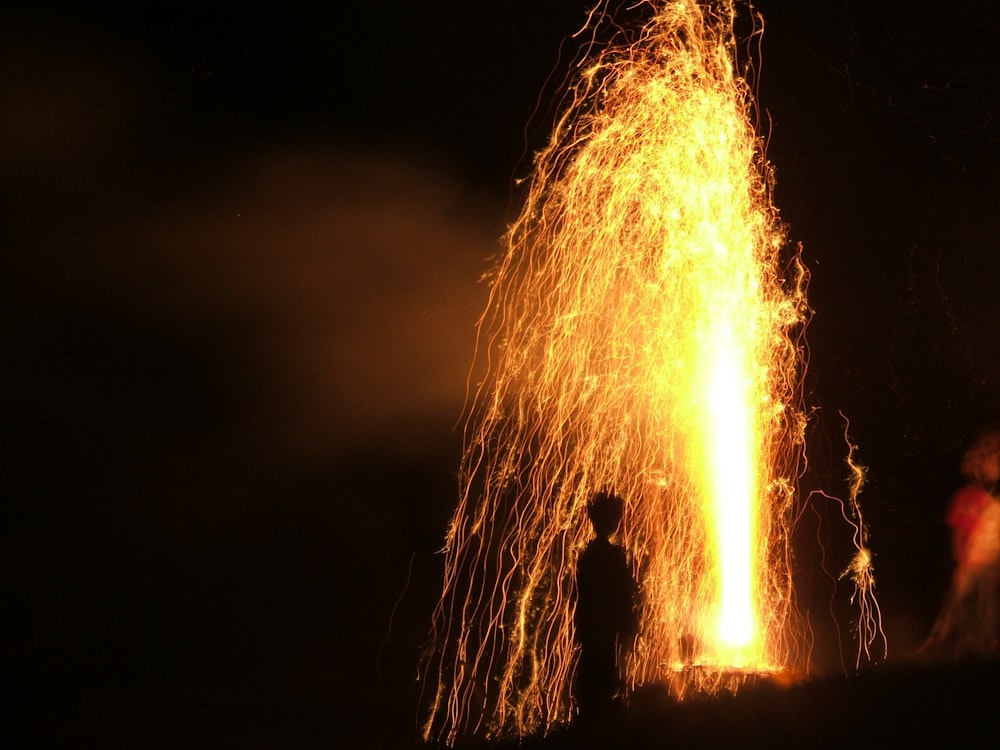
x: 642, y: 334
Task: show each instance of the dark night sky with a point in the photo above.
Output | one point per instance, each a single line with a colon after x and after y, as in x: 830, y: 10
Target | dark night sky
x: 241, y: 251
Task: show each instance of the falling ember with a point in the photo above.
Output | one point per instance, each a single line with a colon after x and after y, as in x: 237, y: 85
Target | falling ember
x: 642, y: 334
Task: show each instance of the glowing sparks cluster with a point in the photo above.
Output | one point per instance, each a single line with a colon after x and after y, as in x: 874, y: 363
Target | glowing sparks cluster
x: 642, y: 335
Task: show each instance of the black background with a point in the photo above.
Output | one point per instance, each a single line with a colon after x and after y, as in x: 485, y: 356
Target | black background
x: 242, y: 244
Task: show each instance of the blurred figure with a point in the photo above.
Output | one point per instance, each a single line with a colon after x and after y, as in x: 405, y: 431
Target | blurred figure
x: 969, y: 622
x: 606, y: 616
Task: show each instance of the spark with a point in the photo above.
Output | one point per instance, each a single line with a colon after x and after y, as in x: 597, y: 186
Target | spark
x: 644, y: 332
x: 861, y: 569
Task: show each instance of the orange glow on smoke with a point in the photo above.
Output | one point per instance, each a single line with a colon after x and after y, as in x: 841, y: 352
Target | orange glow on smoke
x: 642, y: 334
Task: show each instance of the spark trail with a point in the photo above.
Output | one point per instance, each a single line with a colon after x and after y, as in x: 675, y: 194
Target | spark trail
x: 643, y: 334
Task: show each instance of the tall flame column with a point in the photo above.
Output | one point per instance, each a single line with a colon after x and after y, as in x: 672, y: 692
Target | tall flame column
x: 642, y: 334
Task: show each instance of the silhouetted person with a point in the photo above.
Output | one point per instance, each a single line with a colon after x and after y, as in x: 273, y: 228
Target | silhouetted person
x: 606, y: 616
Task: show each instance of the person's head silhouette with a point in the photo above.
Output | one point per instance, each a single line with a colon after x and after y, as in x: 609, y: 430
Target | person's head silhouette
x: 981, y: 462
x: 605, y: 510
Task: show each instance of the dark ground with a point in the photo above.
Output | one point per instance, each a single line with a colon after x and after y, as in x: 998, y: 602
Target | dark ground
x: 911, y: 706
x: 950, y: 705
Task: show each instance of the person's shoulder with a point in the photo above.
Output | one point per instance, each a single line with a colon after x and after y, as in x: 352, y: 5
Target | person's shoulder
x: 970, y: 493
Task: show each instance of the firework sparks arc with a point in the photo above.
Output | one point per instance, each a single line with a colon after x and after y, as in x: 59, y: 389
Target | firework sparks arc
x: 643, y: 333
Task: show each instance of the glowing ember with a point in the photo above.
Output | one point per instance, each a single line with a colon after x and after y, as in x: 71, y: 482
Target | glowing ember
x: 642, y: 335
